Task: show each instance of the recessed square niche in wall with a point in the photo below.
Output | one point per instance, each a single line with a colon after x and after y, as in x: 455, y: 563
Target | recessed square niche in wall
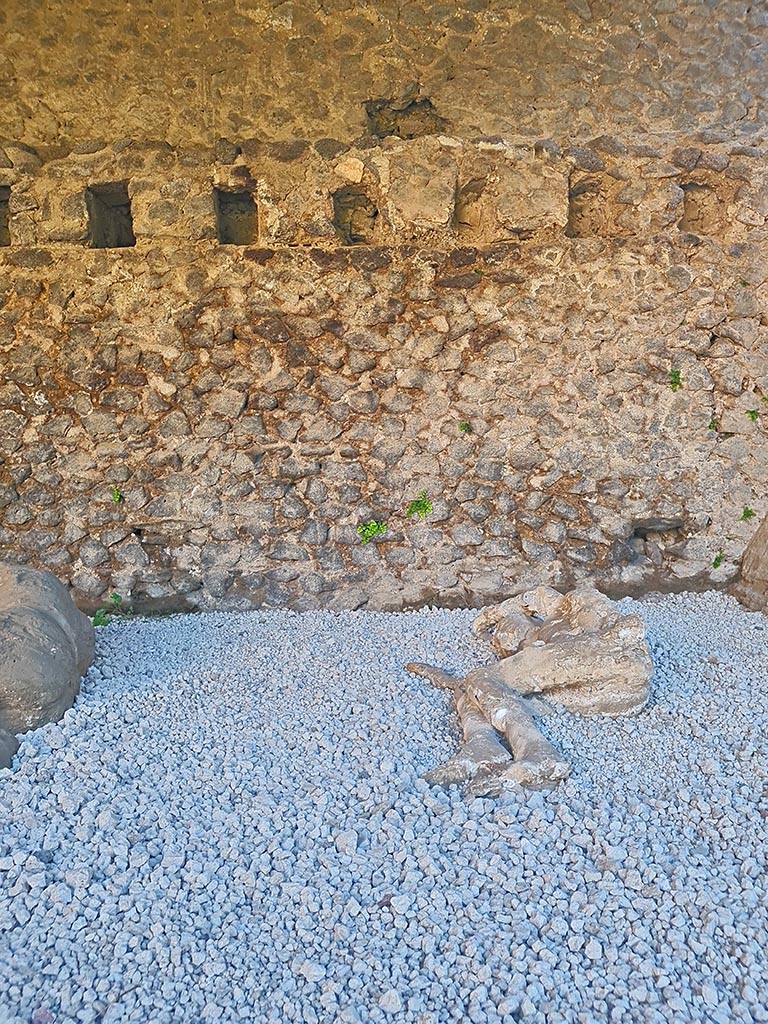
x: 110, y: 225
x: 703, y: 212
x: 586, y: 210
x: 237, y: 217
x: 5, y: 233
x: 354, y: 216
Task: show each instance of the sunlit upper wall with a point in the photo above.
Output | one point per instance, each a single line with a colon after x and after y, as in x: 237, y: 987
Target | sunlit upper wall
x: 192, y: 71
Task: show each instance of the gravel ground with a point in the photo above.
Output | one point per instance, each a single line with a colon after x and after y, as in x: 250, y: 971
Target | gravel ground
x: 229, y: 826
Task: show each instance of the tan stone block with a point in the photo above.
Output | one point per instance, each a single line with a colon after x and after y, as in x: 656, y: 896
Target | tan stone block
x: 752, y: 588
x: 422, y: 190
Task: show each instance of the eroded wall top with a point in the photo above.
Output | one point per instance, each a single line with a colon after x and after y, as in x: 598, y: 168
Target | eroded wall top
x: 192, y: 71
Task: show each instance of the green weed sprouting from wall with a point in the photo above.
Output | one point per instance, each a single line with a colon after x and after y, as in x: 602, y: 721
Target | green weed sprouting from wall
x: 373, y: 528
x: 421, y: 507
x: 105, y: 614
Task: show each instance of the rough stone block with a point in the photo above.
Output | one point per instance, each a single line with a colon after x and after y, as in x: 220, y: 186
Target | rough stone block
x: 423, y: 187
x: 752, y: 587
x: 531, y: 197
x: 46, y: 645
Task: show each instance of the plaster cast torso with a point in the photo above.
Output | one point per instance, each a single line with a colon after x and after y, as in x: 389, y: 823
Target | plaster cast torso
x: 576, y: 649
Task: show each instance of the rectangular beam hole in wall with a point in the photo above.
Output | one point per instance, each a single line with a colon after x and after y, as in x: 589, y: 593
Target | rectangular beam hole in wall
x: 702, y: 210
x: 237, y: 217
x: 354, y: 216
x: 586, y: 210
x: 5, y: 231
x: 110, y: 225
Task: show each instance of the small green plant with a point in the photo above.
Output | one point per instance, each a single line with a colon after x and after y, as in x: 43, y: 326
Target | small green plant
x: 465, y: 428
x: 718, y: 560
x: 747, y: 514
x: 753, y: 414
x: 713, y: 424
x: 117, y: 496
x: 743, y: 283
x: 421, y: 507
x: 371, y: 529
x: 105, y: 614
x: 675, y: 380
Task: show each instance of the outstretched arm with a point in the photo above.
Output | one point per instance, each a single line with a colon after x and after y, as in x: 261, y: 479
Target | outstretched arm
x: 437, y: 676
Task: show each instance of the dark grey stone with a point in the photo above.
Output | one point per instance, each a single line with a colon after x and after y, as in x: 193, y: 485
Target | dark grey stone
x: 467, y: 536
x: 537, y: 552
x: 37, y: 540
x: 8, y: 747
x: 46, y: 645
x: 400, y: 556
x: 175, y: 424
x: 586, y: 159
x: 92, y: 553
x: 609, y: 144
x: 388, y: 452
x: 686, y: 157
x: 585, y: 554
x: 226, y: 152
x: 288, y: 551
x: 314, y: 532
x: 489, y: 469
x: 293, y: 469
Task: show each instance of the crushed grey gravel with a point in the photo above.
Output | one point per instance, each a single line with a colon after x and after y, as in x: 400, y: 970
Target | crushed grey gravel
x: 229, y: 826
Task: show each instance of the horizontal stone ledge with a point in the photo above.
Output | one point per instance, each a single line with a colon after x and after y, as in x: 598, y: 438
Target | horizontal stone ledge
x: 685, y: 148
x: 368, y: 258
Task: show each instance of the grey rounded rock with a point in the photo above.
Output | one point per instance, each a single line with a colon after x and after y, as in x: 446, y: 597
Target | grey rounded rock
x: 46, y: 646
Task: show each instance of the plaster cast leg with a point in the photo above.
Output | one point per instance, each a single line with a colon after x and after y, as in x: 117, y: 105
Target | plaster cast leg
x: 487, y: 706
x: 482, y: 757
x: 536, y: 761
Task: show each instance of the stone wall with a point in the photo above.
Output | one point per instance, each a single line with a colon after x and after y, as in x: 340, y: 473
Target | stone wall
x: 565, y: 346
x: 192, y: 71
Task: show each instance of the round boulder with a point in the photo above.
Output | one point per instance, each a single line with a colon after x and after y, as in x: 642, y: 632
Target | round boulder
x: 46, y: 646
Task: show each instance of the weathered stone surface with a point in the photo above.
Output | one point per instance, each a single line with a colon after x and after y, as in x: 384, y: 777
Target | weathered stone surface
x: 530, y: 248
x: 46, y: 645
x: 8, y: 747
x: 541, y: 302
x: 575, y: 648
x: 543, y: 71
x: 752, y: 587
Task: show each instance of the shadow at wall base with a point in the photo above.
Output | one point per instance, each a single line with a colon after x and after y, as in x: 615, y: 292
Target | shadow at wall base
x: 242, y: 600
x: 750, y: 595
